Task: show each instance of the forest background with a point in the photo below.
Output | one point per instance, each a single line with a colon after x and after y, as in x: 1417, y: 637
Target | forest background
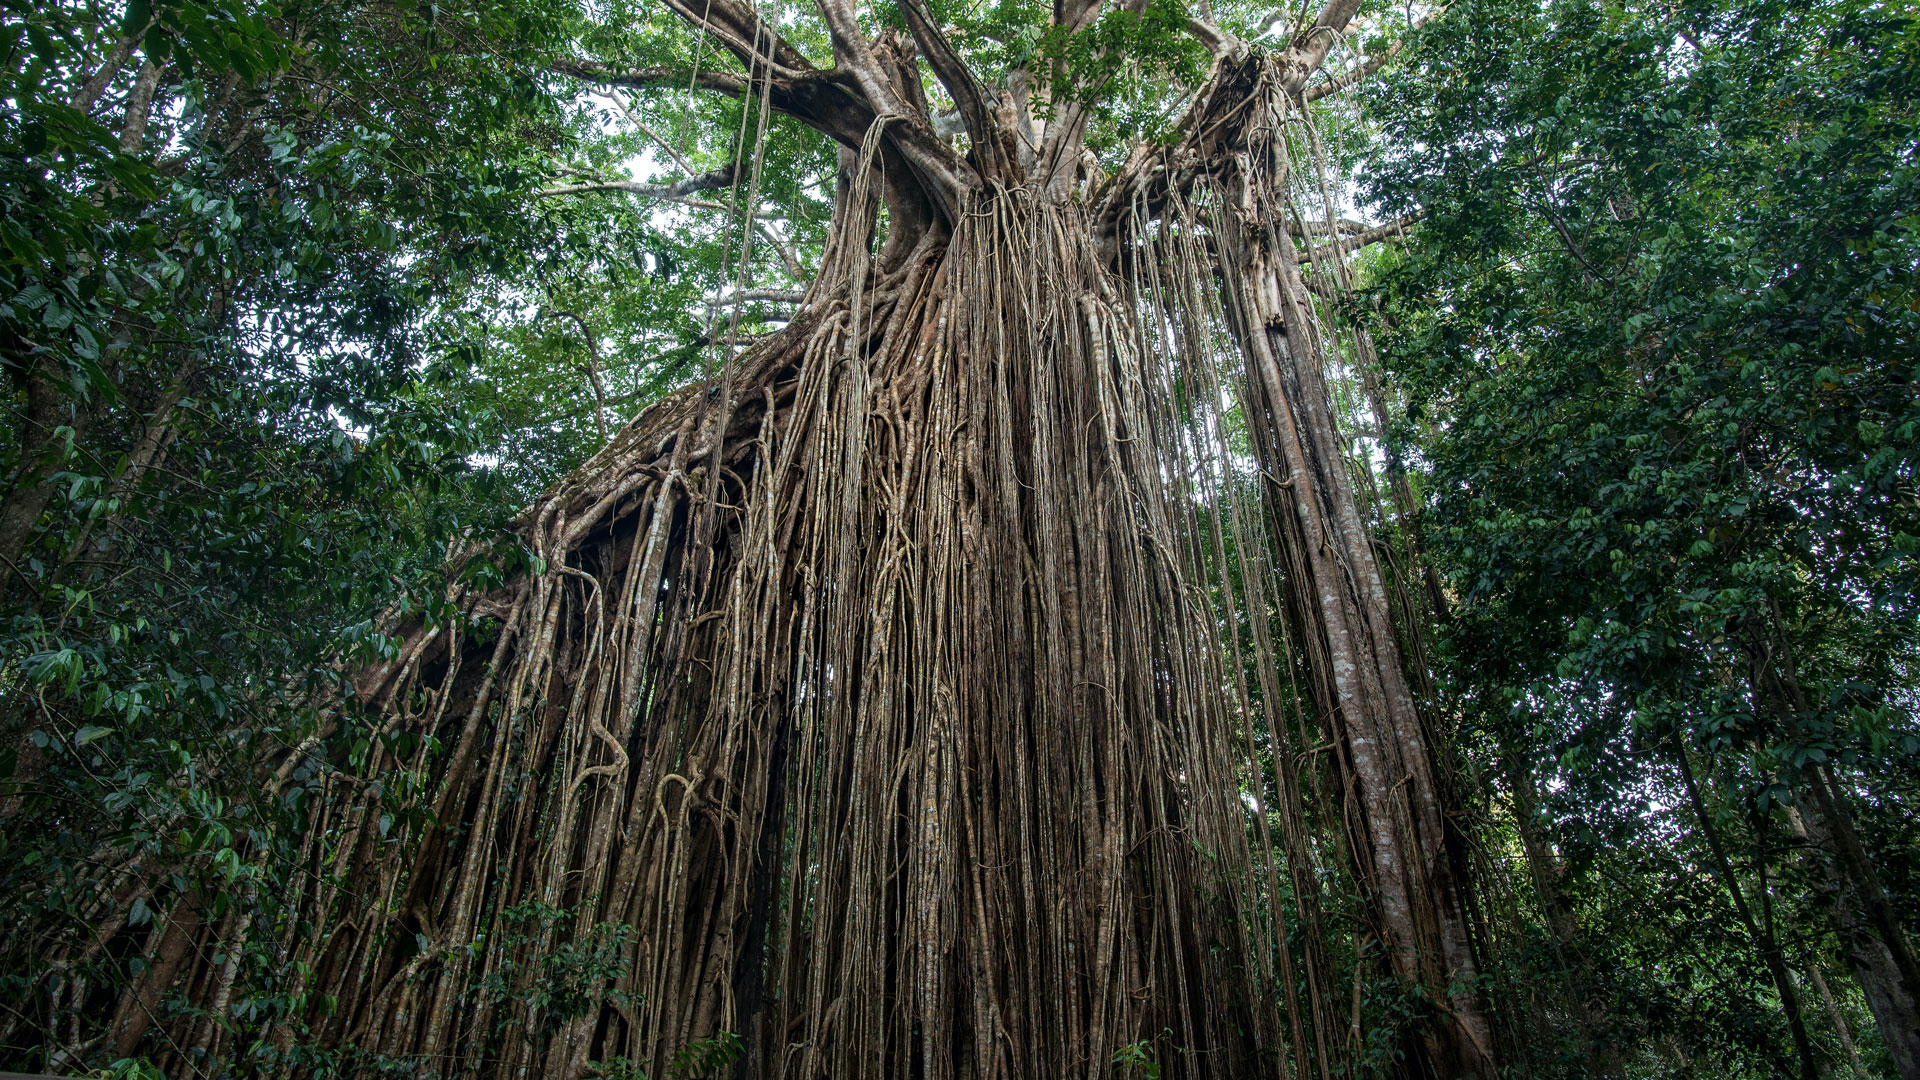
x: 293, y: 298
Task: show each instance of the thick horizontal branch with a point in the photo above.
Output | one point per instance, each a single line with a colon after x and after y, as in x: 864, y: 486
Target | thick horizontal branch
x: 742, y: 31
x: 692, y: 185
x: 778, y: 296
x: 1218, y: 42
x: 823, y: 100
x: 842, y: 103
x: 1343, y: 226
x: 1356, y: 241
x: 761, y: 296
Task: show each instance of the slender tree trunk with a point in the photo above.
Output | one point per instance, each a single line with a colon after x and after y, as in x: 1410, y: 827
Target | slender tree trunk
x: 1545, y: 872
x: 41, y: 447
x: 1895, y: 1011
x: 133, y: 128
x: 1838, y: 1020
x: 1763, y: 941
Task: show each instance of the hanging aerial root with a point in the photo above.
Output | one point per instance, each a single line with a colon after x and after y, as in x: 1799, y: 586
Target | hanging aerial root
x: 906, y: 700
x: 866, y: 712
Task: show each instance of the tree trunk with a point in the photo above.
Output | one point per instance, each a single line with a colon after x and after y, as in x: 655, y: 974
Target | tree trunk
x: 1839, y: 1020
x: 1869, y: 928
x: 1339, y: 600
x: 1545, y: 871
x: 1895, y: 1011
x: 168, y: 967
x: 40, y: 448
x: 1763, y: 941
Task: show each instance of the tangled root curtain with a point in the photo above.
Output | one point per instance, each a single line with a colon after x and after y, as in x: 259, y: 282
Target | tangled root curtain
x: 980, y: 677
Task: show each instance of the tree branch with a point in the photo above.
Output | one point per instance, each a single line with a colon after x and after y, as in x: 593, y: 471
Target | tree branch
x: 1343, y: 226
x: 1217, y: 41
x: 742, y: 31
x: 1367, y: 67
x: 794, y: 269
x: 954, y: 74
x: 1309, y: 50
x: 1356, y: 241
x: 1349, y: 78
x: 634, y: 119
x: 762, y: 296
x: 853, y: 54
x: 941, y: 171
x: 823, y: 100
x: 692, y: 185
x: 1075, y: 15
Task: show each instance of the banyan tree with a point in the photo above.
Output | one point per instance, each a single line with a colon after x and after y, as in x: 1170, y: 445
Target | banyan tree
x: 984, y: 675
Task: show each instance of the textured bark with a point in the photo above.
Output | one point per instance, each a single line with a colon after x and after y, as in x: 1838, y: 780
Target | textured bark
x: 141, y: 1006
x: 133, y: 127
x: 1896, y: 1012
x: 40, y: 444
x: 1838, y: 1020
x: 1339, y: 600
x: 1870, y: 930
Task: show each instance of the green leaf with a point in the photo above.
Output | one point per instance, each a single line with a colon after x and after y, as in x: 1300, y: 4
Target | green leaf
x: 91, y: 734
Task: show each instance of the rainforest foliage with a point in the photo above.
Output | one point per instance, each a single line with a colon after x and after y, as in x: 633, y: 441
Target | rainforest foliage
x: 301, y: 305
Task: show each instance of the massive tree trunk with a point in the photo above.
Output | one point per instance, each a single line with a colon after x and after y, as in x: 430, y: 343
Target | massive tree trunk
x: 869, y: 703
x: 1340, y: 600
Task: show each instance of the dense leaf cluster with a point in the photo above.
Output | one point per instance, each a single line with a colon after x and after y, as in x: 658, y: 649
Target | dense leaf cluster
x: 1659, y: 339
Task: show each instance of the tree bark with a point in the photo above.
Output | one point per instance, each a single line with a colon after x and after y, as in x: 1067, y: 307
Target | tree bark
x: 140, y: 1008
x: 1839, y: 1020
x: 1876, y: 942
x: 1896, y: 1012
x: 133, y: 128
x: 40, y: 449
x: 1340, y: 602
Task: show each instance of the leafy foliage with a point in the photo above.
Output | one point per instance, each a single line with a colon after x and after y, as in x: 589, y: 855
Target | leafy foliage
x: 1657, y: 341
x: 277, y: 307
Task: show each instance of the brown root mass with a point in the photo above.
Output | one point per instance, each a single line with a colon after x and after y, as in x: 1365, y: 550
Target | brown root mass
x: 916, y: 698
x: 875, y: 689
